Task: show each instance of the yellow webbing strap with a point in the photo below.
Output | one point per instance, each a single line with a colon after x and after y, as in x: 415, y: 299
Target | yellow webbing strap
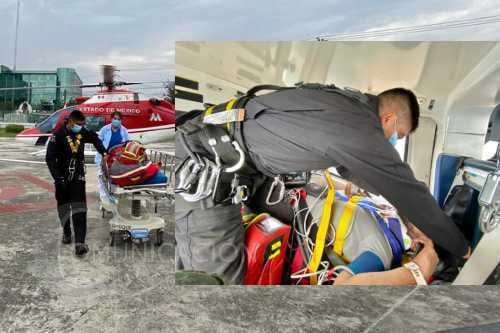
x: 220, y: 108
x: 209, y: 110
x: 319, y: 244
x: 229, y: 106
x: 344, y: 224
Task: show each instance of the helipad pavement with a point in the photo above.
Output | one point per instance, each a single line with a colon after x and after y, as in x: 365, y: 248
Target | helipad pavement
x: 43, y: 287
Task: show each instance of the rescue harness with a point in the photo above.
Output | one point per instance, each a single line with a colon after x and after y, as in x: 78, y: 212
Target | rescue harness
x: 74, y: 146
x: 231, y: 176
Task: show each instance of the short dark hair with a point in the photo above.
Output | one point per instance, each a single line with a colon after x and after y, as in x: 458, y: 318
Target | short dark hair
x: 116, y: 113
x: 77, y: 115
x: 410, y: 99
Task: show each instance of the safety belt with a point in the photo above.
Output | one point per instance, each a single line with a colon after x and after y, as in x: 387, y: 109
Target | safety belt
x: 391, y: 229
x: 341, y: 232
x: 319, y: 244
x: 344, y: 226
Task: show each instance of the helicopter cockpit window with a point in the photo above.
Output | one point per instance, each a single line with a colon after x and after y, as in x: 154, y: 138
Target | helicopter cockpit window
x: 94, y: 123
x: 136, y: 98
x: 49, y: 123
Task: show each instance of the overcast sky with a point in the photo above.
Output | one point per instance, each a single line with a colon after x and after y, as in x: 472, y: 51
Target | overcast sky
x: 138, y: 35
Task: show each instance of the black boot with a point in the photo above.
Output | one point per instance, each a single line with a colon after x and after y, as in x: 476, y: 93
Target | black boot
x: 66, y: 239
x: 81, y: 249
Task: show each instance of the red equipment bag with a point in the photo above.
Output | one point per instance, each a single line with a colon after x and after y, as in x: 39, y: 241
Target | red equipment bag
x: 136, y: 176
x: 128, y: 165
x: 266, y: 242
x: 298, y: 264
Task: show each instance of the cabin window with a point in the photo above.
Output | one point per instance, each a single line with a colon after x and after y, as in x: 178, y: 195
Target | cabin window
x: 489, y: 150
x: 94, y: 123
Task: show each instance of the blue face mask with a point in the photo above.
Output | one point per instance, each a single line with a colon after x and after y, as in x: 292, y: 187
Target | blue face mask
x: 76, y: 128
x: 393, y: 139
x: 116, y: 122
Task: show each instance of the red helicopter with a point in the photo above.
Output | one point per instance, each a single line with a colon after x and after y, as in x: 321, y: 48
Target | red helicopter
x: 147, y: 120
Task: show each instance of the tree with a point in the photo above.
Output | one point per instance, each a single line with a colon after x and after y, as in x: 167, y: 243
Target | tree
x: 169, y: 91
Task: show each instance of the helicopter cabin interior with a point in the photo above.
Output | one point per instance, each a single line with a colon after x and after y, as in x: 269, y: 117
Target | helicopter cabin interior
x: 454, y: 150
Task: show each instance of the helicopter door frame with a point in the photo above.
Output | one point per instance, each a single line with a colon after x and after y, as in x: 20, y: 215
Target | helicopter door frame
x: 420, y: 149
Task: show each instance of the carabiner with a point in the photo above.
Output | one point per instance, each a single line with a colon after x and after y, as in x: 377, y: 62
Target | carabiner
x: 277, y: 181
x: 241, y: 195
x: 206, y: 182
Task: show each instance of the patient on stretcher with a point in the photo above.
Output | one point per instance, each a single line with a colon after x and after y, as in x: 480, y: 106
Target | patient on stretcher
x: 128, y: 165
x: 373, y: 241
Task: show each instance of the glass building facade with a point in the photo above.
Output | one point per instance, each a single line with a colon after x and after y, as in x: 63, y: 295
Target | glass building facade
x: 60, y: 89
x: 68, y: 79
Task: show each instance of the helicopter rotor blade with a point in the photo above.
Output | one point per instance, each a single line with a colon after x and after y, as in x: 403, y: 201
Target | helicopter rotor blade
x: 83, y: 86
x: 127, y: 83
x: 90, y: 85
x: 51, y: 87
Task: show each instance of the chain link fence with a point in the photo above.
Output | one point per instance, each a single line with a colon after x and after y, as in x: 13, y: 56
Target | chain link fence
x: 22, y: 118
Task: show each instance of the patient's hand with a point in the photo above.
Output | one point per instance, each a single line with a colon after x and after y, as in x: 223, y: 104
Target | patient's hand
x: 469, y: 252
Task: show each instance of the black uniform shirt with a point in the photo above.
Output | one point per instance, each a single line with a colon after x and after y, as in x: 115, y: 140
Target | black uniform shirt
x: 59, y: 152
x: 309, y: 129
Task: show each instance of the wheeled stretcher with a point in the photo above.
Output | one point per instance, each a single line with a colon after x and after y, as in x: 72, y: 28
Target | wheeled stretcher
x: 135, y: 208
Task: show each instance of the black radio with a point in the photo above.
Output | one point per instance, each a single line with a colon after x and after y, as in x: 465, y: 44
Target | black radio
x: 296, y: 179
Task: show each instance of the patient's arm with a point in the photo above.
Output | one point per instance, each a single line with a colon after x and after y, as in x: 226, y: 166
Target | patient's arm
x: 427, y: 260
x: 397, y: 276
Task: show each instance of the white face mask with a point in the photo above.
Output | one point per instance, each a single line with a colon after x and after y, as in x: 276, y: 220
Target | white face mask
x: 116, y: 122
x: 76, y: 128
x: 393, y: 139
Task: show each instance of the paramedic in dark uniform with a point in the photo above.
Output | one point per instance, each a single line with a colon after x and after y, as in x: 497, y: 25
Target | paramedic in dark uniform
x: 313, y: 128
x: 66, y: 162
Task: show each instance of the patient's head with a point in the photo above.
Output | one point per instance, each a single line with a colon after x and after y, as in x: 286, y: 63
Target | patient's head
x: 398, y: 111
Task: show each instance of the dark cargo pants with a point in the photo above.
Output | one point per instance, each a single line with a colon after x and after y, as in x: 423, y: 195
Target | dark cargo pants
x: 210, y: 240
x: 72, y: 206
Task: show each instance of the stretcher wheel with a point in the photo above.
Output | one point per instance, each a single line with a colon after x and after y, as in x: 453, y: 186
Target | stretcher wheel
x: 105, y: 213
x: 158, y: 237
x: 114, y: 238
